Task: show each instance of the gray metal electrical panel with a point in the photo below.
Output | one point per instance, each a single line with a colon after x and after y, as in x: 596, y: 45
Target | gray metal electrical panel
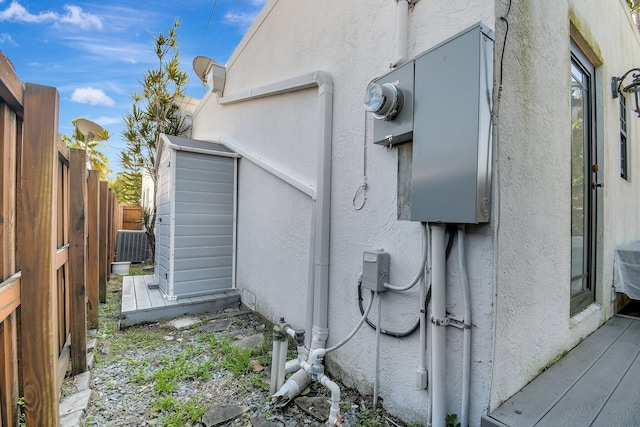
x: 451, y: 162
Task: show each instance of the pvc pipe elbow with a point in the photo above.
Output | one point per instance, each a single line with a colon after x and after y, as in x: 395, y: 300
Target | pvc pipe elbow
x: 335, y: 419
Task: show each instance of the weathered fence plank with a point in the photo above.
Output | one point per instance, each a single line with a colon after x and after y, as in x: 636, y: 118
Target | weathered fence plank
x: 9, y: 365
x: 93, y: 253
x: 104, y: 217
x: 10, y: 86
x: 11, y: 111
x: 77, y: 260
x: 38, y: 254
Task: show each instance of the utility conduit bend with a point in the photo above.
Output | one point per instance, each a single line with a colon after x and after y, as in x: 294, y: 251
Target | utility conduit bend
x: 421, y: 270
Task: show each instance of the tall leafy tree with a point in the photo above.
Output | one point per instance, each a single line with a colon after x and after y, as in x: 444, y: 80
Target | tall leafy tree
x: 154, y: 112
x: 127, y: 187
x: 99, y: 161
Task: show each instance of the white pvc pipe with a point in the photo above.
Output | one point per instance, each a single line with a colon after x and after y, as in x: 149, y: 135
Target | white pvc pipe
x: 376, y: 381
x: 402, y: 32
x: 439, y: 330
x: 466, y: 347
x: 334, y: 414
x: 420, y: 272
x: 282, y: 358
x: 317, y: 354
x: 275, y: 365
x: 422, y: 367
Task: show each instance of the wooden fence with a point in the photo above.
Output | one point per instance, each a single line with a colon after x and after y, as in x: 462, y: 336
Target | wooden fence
x: 54, y: 228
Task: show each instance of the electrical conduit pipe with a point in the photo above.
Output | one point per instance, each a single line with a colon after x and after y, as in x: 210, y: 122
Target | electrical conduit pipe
x: 466, y: 347
x: 439, y: 329
x: 402, y: 32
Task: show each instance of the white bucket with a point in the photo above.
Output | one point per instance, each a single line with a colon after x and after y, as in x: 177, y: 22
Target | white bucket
x: 121, y: 268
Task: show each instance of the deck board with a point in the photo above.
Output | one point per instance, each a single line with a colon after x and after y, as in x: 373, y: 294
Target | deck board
x: 598, y: 378
x: 582, y: 403
x: 142, y: 293
x: 624, y: 403
x: 142, y: 304
x: 128, y: 294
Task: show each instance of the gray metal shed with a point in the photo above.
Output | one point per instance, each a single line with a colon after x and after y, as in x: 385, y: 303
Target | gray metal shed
x: 196, y: 217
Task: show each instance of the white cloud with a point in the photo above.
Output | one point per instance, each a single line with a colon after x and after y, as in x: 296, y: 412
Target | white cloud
x: 243, y: 20
x: 74, y: 15
x: 104, y: 120
x: 92, y: 96
x: 6, y: 38
x: 16, y: 12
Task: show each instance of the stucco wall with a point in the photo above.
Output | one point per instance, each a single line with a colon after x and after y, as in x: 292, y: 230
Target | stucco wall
x: 519, y: 264
x: 533, y: 246
x: 354, y: 42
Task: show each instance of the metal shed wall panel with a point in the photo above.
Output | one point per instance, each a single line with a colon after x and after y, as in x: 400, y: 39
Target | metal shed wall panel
x: 196, y: 199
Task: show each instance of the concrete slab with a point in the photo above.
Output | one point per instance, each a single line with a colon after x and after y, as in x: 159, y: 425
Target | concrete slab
x: 219, y: 414
x: 184, y: 323
x: 317, y: 407
x: 249, y: 342
x: 257, y: 422
x: 82, y: 381
x: 216, y: 326
x: 72, y: 420
x: 90, y: 360
x: 91, y: 344
x: 75, y: 402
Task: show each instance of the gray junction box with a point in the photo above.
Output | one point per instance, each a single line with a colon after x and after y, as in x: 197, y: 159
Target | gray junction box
x: 375, y: 270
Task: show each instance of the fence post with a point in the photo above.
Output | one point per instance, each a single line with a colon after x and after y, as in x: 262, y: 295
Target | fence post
x: 77, y: 259
x: 37, y: 233
x: 104, y: 220
x: 93, y: 242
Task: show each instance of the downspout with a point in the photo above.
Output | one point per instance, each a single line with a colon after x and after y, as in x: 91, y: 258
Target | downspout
x: 321, y: 217
x: 402, y: 32
x: 466, y: 349
x: 318, y: 283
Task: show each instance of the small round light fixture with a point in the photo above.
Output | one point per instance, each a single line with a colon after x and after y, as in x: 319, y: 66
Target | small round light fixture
x: 383, y: 100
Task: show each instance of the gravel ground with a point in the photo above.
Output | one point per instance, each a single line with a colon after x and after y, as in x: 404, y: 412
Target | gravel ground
x: 126, y: 385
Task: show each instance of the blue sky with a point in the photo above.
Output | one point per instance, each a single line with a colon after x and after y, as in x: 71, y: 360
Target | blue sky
x: 96, y: 52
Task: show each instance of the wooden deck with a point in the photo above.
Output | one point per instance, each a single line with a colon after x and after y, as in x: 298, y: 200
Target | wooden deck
x: 142, y: 302
x: 595, y: 384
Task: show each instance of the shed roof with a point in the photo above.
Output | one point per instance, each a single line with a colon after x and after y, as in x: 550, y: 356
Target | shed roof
x: 196, y: 146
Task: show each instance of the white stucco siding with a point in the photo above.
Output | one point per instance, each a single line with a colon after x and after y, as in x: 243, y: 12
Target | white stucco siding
x: 532, y: 321
x: 353, y: 41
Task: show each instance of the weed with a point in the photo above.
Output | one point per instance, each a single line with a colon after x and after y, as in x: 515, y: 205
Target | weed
x: 369, y: 418
x: 139, y: 376
x: 177, y: 413
x: 452, y: 420
x: 415, y: 424
x: 21, y: 407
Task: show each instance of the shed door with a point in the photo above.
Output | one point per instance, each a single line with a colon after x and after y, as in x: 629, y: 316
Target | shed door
x: 163, y: 209
x: 204, y: 228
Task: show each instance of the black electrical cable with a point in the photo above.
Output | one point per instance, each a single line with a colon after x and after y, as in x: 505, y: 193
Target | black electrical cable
x: 426, y: 301
x: 385, y: 331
